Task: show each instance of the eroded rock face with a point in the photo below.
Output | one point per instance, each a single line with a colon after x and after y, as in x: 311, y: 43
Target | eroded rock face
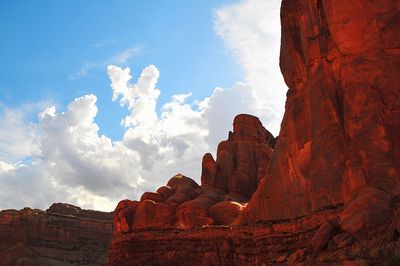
x: 341, y: 129
x: 330, y: 192
x: 273, y: 243
x: 124, y: 215
x: 62, y: 235
x: 367, y: 212
x: 241, y: 160
x: 226, y: 185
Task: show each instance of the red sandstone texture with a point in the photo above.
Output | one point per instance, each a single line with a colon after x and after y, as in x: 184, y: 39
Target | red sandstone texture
x: 300, y: 241
x: 340, y: 137
x: 328, y: 193
x: 226, y: 185
x: 62, y: 235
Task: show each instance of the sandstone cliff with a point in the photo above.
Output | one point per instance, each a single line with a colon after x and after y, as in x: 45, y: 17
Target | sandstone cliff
x: 328, y: 192
x: 62, y: 235
x: 340, y: 137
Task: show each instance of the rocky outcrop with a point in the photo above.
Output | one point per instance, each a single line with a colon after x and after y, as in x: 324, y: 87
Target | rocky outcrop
x: 271, y: 243
x: 226, y: 185
x: 242, y: 160
x: 62, y: 235
x: 329, y: 191
x: 340, y: 136
x: 256, y: 245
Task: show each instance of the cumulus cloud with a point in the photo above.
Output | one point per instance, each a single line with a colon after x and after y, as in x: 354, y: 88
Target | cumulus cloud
x: 167, y: 143
x: 251, y: 30
x: 16, y: 135
x: 176, y: 139
x: 83, y: 158
x: 70, y: 161
x: 140, y: 97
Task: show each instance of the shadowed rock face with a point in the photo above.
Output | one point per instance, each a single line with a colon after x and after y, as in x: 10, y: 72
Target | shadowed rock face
x: 62, y: 235
x: 227, y: 185
x: 242, y: 160
x: 328, y: 193
x: 340, y: 135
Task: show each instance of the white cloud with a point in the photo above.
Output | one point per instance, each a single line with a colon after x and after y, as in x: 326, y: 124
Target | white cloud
x: 16, y: 136
x: 76, y: 154
x: 224, y: 104
x: 71, y: 162
x: 5, y: 167
x: 176, y: 139
x: 140, y: 98
x: 167, y: 143
x: 251, y: 29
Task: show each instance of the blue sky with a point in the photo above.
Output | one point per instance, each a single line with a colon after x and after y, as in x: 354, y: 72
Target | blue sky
x: 58, y: 50
x: 174, y: 72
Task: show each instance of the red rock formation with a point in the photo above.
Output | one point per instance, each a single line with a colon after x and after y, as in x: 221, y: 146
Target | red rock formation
x: 330, y: 194
x: 340, y: 136
x: 62, y: 235
x: 241, y: 160
x: 207, y: 246
x: 273, y: 243
x: 227, y: 185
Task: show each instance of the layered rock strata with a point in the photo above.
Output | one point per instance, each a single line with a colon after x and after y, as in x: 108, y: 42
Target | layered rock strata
x: 62, y: 235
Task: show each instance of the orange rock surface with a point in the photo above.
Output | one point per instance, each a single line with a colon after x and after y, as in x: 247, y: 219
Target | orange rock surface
x: 242, y: 160
x: 327, y: 191
x: 340, y: 135
x: 62, y: 235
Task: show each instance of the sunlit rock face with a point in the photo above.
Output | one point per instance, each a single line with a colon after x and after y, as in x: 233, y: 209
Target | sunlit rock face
x: 340, y: 135
x: 62, y: 235
x: 326, y: 192
x: 226, y: 185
